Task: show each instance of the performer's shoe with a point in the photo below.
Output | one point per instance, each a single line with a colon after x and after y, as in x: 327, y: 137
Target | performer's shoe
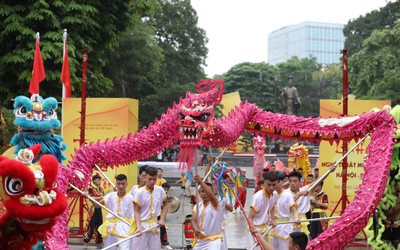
x: 234, y: 211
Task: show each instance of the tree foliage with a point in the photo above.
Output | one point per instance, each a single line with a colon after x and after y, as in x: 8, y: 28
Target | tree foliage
x: 184, y: 51
x: 374, y: 69
x: 183, y: 43
x: 359, y: 29
x: 256, y: 83
x: 134, y: 67
x: 93, y: 25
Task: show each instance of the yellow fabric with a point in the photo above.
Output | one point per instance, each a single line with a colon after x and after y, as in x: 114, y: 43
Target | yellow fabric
x: 133, y: 227
x: 303, y: 225
x: 282, y: 220
x: 103, y: 229
x: 161, y: 181
x: 210, y: 237
x: 318, y: 210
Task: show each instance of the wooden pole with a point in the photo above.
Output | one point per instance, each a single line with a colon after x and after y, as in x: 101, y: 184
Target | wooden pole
x: 345, y: 112
x: 82, y: 128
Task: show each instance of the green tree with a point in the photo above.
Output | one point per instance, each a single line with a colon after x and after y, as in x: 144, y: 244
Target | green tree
x: 256, y: 83
x: 7, y: 128
x: 374, y: 70
x: 135, y: 65
x: 182, y: 41
x: 359, y: 29
x: 184, y: 52
x: 93, y: 25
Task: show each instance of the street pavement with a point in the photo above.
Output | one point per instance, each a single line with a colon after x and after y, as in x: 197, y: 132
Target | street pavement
x: 235, y: 228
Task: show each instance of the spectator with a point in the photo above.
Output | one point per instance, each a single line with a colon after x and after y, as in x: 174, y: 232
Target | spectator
x: 95, y: 217
x: 182, y: 180
x: 160, y: 180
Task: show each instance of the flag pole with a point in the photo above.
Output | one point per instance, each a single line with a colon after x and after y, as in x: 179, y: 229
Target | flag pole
x: 64, y: 43
x: 63, y: 86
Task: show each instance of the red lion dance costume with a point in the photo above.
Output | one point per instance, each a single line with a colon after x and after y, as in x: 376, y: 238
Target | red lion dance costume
x: 30, y: 200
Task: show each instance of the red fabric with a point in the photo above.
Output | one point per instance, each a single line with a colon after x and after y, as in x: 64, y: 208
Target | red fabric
x: 241, y: 197
x: 65, y: 73
x: 38, y: 73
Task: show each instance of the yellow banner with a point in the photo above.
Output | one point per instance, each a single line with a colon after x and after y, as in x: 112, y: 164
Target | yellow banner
x: 105, y: 118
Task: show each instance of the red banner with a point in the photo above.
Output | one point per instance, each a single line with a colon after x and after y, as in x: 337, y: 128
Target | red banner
x: 65, y: 73
x: 38, y: 73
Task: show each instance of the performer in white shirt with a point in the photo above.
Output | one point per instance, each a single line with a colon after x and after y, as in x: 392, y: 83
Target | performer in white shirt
x: 207, y: 222
x: 303, y: 200
x: 224, y: 202
x: 262, y: 208
x: 148, y: 201
x: 142, y: 180
x: 120, y: 202
x: 285, y: 210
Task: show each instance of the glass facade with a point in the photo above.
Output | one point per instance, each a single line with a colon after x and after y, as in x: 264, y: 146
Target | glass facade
x: 321, y: 40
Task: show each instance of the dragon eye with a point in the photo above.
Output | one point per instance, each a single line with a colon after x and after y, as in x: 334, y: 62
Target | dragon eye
x: 181, y: 116
x: 54, y: 184
x: 14, y: 186
x: 203, y: 117
x: 21, y: 111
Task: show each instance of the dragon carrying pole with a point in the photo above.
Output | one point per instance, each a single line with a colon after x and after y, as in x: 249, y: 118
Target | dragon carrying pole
x: 246, y: 217
x: 323, y: 177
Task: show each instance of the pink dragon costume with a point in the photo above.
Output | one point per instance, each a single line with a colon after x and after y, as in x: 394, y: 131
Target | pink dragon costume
x: 259, y: 162
x: 192, y: 122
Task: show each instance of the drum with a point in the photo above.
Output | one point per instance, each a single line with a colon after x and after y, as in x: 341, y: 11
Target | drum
x: 187, y: 226
x: 188, y: 230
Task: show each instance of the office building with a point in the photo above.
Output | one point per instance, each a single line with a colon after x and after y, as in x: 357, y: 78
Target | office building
x: 323, y: 41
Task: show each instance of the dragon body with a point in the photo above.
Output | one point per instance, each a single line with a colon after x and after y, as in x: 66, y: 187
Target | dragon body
x: 387, y: 219
x: 191, y: 121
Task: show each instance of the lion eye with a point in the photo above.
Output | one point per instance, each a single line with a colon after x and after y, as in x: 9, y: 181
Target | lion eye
x: 52, y: 113
x: 14, y: 186
x: 21, y: 111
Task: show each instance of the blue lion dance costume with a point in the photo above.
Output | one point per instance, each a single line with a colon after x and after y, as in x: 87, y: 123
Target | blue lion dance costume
x: 36, y: 119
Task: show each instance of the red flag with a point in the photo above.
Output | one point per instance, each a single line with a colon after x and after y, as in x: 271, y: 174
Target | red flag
x: 65, y: 74
x: 38, y: 73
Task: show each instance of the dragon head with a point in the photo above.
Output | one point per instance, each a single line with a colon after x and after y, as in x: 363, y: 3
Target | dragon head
x: 35, y: 115
x: 29, y: 190
x: 197, y: 117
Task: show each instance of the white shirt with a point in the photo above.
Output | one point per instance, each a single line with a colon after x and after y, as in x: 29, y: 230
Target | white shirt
x: 122, y: 206
x: 262, y: 203
x: 149, y: 201
x: 303, y: 202
x: 283, y: 205
x: 211, y: 218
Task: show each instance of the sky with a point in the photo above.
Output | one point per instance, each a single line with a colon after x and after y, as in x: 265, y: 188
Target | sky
x: 238, y: 29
